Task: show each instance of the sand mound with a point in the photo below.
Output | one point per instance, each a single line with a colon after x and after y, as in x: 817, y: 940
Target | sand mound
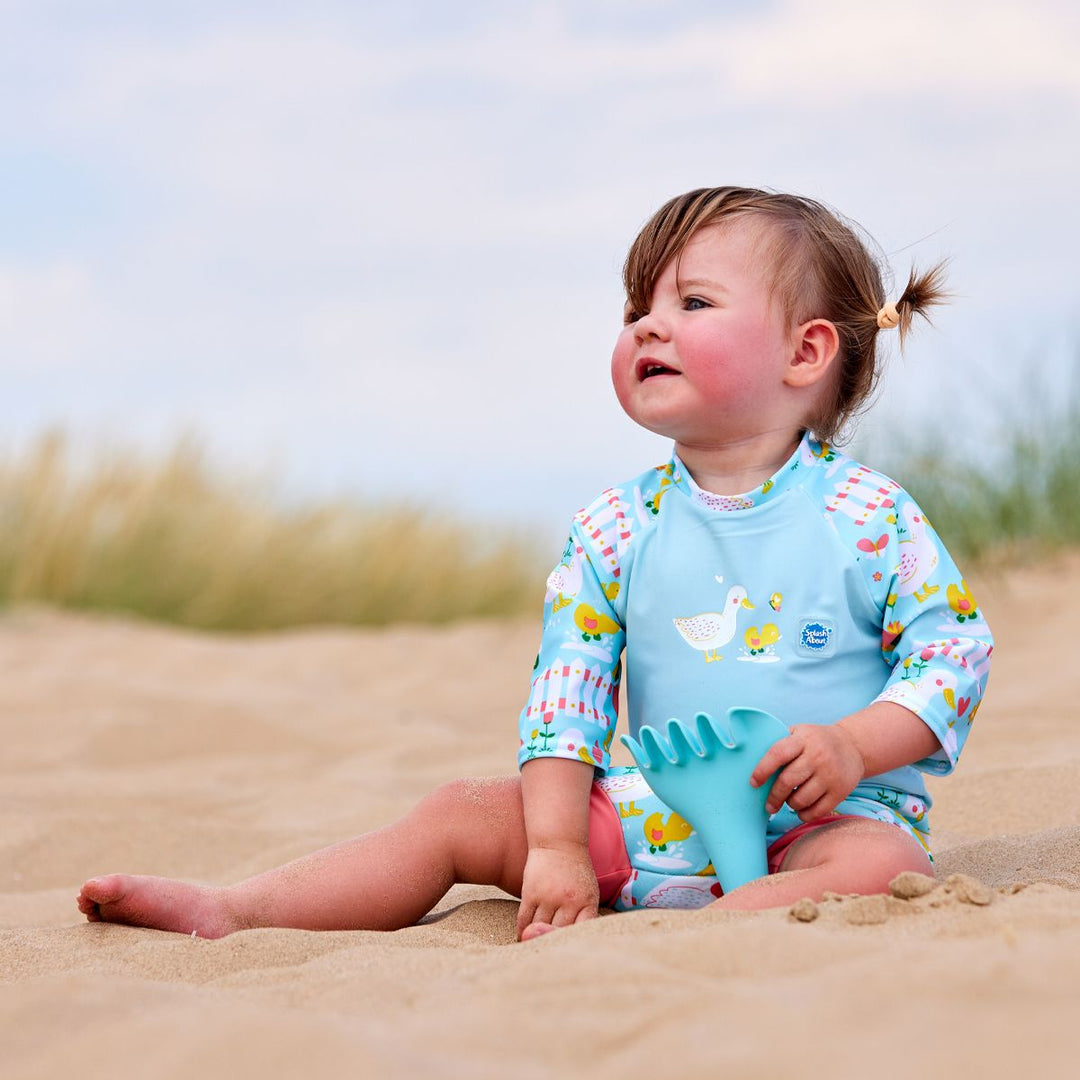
x: 146, y: 749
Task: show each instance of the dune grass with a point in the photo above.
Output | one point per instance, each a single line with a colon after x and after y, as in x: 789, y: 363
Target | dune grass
x: 1021, y: 502
x: 174, y: 540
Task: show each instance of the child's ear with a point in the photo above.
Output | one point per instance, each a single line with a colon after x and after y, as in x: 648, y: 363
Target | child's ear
x: 816, y: 344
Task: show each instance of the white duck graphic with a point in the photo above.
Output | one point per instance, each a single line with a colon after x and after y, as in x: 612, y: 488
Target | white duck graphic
x: 564, y: 582
x: 623, y: 789
x: 916, y: 694
x: 918, y: 557
x: 711, y: 630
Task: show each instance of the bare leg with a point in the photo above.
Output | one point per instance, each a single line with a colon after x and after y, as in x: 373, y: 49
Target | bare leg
x: 467, y: 831
x: 852, y: 856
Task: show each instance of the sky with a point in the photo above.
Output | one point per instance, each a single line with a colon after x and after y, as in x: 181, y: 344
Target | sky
x: 373, y: 249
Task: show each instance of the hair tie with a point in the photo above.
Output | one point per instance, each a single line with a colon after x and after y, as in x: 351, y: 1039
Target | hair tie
x: 888, y: 316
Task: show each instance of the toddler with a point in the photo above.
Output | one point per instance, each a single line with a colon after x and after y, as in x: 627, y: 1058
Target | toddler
x: 759, y: 567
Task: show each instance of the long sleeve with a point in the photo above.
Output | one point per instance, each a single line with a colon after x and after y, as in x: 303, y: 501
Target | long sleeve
x: 573, y: 702
x: 933, y: 635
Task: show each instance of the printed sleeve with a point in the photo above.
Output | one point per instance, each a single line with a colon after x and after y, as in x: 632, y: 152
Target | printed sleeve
x: 933, y: 634
x: 573, y: 703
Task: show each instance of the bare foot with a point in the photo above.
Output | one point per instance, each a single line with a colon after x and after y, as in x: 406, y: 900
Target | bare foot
x: 160, y: 904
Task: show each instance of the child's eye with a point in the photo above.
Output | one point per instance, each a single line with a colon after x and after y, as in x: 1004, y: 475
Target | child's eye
x: 631, y: 316
x: 694, y: 303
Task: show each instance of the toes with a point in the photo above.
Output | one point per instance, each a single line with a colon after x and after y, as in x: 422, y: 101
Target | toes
x: 104, y: 890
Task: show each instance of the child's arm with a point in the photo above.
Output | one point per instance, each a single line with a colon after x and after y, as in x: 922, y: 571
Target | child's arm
x: 825, y: 762
x: 559, y: 885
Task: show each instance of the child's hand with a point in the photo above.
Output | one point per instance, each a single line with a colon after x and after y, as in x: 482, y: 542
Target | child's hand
x: 558, y: 889
x: 820, y: 765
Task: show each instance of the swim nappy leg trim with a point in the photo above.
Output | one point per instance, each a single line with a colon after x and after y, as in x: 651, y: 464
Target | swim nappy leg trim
x: 607, y: 847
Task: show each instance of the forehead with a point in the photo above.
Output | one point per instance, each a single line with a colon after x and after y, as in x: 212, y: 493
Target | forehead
x: 731, y: 251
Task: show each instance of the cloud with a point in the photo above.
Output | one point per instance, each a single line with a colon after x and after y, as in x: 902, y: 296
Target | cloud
x: 50, y: 316
x: 308, y: 225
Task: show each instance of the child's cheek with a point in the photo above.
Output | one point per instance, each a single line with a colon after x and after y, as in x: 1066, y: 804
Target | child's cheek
x: 622, y: 362
x: 735, y: 364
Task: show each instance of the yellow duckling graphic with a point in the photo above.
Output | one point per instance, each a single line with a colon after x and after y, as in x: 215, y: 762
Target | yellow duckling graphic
x: 653, y: 504
x: 592, y: 624
x: 776, y: 600
x: 962, y: 602
x: 660, y: 833
x: 596, y: 755
x: 757, y: 641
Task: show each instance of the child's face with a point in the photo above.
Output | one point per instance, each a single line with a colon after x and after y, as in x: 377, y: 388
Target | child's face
x: 706, y: 364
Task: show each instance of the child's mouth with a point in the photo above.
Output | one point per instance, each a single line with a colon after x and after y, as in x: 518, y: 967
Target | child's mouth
x: 651, y: 369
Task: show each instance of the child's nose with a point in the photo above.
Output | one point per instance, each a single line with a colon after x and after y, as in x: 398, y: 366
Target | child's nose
x: 651, y: 326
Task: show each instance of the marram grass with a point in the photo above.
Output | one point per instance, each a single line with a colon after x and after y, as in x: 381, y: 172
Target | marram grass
x: 173, y: 540
x: 1022, y: 502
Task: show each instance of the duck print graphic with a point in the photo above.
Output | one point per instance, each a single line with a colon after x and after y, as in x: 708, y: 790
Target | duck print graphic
x: 659, y: 833
x: 918, y: 557
x: 564, y: 582
x: 962, y: 602
x: 761, y: 644
x: 592, y: 624
x: 712, y: 630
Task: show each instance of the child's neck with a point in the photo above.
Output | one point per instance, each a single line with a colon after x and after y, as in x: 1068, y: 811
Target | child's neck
x: 739, y: 466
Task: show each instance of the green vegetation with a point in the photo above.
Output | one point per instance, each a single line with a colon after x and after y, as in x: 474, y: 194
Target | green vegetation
x: 1023, y: 502
x: 174, y: 541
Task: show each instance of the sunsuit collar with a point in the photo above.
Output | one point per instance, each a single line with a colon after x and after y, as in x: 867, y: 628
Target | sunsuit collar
x: 806, y: 456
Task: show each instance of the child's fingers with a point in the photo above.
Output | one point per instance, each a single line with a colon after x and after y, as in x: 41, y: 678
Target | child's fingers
x: 565, y: 916
x: 527, y: 915
x: 523, y: 920
x: 796, y: 774
x: 807, y: 794
x: 776, y: 757
x: 822, y: 808
x: 560, y: 917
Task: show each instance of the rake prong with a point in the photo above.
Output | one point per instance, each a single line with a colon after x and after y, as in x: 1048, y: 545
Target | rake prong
x: 656, y: 749
x: 740, y: 721
x: 707, y: 735
x: 721, y: 726
x: 637, y: 752
x: 683, y: 741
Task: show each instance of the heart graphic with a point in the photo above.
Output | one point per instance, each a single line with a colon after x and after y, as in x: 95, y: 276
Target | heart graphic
x: 962, y: 705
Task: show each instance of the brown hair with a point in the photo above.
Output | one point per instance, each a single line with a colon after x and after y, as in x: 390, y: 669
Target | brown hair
x: 820, y: 268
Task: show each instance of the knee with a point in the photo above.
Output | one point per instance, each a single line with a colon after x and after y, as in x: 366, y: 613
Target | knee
x: 481, y: 826
x: 858, y: 855
x: 472, y: 799
x: 893, y: 852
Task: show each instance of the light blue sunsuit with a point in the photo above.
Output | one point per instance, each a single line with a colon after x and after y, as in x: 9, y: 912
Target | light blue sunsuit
x: 820, y: 592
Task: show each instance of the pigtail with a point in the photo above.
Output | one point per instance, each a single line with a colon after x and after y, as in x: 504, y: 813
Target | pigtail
x: 921, y: 292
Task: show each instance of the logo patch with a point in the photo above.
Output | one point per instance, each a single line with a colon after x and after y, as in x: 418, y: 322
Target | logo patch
x: 816, y: 637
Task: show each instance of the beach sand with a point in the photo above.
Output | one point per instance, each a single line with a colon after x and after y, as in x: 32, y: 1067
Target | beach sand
x: 135, y: 747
